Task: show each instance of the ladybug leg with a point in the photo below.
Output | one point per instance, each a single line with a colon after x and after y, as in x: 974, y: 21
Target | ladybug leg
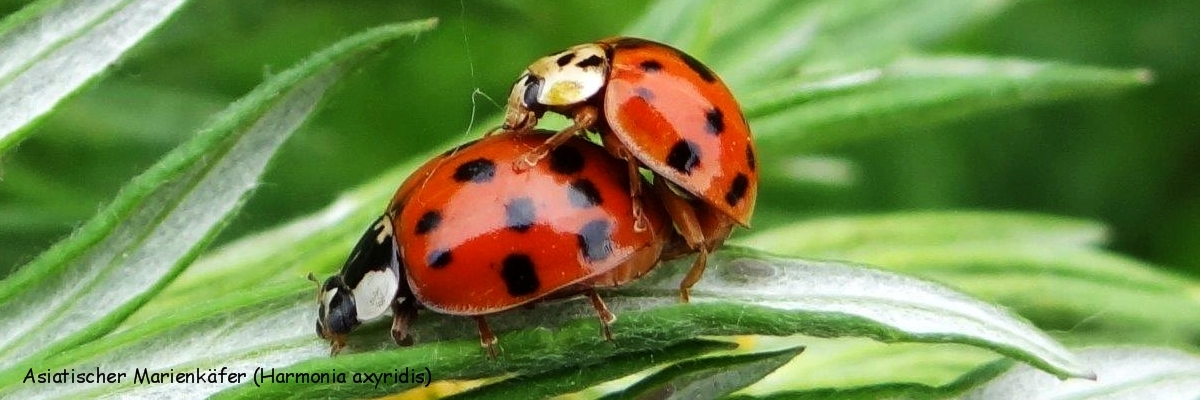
x: 403, y: 316
x: 486, y: 338
x: 683, y: 215
x: 585, y: 117
x: 606, y: 317
x: 614, y: 146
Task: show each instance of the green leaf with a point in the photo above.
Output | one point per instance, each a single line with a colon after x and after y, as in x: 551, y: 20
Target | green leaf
x: 52, y: 48
x: 816, y: 113
x: 708, y: 377
x: 840, y: 236
x: 1121, y: 373
x: 858, y: 301
x: 1012, y: 259
x: 164, y: 217
x: 743, y: 292
x: 568, y: 380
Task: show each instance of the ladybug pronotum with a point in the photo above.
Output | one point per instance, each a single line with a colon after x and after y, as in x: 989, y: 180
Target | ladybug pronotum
x: 656, y: 107
x: 467, y: 234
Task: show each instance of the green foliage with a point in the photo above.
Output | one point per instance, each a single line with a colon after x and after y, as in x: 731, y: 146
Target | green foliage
x: 137, y: 286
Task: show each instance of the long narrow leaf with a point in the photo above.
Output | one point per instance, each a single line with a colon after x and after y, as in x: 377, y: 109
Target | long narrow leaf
x: 709, y: 377
x: 743, y: 292
x: 570, y: 380
x: 53, y: 47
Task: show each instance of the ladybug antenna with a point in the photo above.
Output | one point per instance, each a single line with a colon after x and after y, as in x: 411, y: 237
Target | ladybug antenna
x: 314, y: 280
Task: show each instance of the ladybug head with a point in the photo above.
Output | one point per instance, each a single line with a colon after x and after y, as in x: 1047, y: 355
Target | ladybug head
x: 370, y: 283
x: 337, y: 314
x: 557, y: 81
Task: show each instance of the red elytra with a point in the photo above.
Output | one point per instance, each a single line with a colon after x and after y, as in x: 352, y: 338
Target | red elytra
x: 478, y: 237
x: 657, y: 107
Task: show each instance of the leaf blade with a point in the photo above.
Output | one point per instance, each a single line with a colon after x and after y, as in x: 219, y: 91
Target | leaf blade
x: 52, y: 48
x: 709, y: 377
x: 1122, y: 373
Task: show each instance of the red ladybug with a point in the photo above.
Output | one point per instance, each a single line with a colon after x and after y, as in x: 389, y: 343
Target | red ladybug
x: 467, y: 234
x: 656, y: 106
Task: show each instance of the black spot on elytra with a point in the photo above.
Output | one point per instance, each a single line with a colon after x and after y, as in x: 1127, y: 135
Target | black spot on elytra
x: 750, y: 159
x: 737, y: 191
x: 520, y: 214
x: 644, y: 93
x: 439, y: 259
x: 519, y: 276
x: 583, y: 194
x: 428, y: 222
x: 479, y: 170
x: 595, y: 240
x: 591, y: 61
x: 565, y: 59
x: 684, y: 156
x: 566, y: 160
x: 651, y: 66
x: 714, y: 121
x: 706, y: 74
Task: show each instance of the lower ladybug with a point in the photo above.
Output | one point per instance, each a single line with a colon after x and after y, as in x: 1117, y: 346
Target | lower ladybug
x: 467, y: 234
x: 659, y: 108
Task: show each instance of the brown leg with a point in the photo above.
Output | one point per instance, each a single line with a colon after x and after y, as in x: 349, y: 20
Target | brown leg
x: 614, y: 146
x: 606, y: 317
x: 403, y: 316
x: 336, y: 344
x: 585, y: 117
x: 684, y: 217
x: 486, y: 338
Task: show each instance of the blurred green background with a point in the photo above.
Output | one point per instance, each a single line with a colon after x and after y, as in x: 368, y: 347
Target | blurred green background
x: 1128, y: 160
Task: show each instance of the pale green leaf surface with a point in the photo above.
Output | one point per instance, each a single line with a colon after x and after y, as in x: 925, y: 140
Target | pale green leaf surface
x: 1133, y: 373
x: 1047, y: 268
x: 742, y: 293
x: 158, y: 223
x: 53, y: 47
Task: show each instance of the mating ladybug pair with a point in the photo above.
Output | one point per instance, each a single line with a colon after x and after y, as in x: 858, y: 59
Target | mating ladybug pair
x: 525, y: 215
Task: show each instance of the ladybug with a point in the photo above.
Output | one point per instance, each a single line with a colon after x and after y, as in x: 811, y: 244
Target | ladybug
x: 467, y: 234
x: 655, y: 107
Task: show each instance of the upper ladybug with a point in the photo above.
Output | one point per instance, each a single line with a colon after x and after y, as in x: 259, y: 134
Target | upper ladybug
x: 656, y: 106
x: 467, y: 234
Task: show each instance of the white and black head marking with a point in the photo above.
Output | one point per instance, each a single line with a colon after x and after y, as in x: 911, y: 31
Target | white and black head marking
x: 366, y: 287
x: 562, y: 79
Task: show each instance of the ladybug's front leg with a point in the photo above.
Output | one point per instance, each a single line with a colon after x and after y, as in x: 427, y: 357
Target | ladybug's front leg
x: 585, y: 117
x: 486, y: 338
x: 403, y: 316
